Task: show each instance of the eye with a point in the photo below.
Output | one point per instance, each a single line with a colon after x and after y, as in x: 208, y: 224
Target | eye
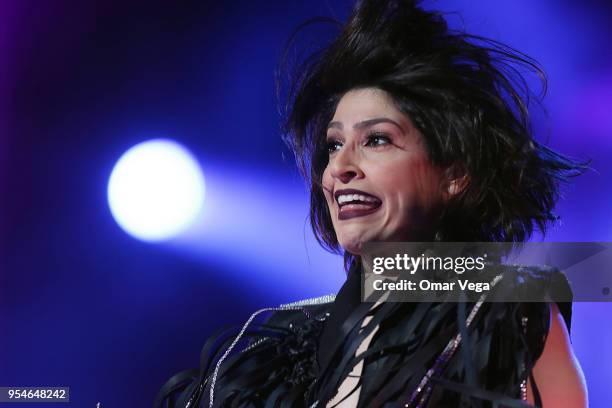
x: 332, y: 146
x: 377, y: 139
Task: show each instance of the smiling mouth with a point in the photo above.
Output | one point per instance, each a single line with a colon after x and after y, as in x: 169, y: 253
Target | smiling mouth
x: 355, y: 203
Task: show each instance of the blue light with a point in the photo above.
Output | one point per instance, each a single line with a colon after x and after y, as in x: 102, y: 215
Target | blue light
x: 156, y: 190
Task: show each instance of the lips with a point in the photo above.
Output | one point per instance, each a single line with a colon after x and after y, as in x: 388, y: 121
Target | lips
x: 355, y: 203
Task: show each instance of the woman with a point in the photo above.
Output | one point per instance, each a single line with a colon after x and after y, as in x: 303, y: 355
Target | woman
x: 407, y: 131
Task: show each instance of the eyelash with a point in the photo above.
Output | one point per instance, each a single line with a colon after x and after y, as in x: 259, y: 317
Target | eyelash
x: 381, y: 136
x: 331, y: 144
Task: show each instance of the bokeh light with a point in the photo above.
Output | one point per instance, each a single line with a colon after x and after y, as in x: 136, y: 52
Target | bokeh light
x: 156, y: 190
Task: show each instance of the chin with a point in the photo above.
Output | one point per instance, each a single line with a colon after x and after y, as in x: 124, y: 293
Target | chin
x: 353, y: 244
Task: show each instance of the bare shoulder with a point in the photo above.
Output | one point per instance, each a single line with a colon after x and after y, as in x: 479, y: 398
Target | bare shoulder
x: 557, y: 372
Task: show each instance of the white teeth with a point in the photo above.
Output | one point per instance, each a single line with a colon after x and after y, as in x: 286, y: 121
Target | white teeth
x: 345, y: 198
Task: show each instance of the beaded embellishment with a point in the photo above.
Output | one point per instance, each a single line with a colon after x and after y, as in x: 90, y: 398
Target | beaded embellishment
x: 301, y: 304
x: 445, y: 356
x: 523, y: 386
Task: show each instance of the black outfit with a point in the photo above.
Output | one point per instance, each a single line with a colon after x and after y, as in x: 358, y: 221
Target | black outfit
x: 299, y: 357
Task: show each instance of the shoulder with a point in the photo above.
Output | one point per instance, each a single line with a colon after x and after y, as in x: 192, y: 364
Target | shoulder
x: 528, y: 291
x: 548, y: 277
x: 300, y: 311
x: 279, y: 352
x: 538, y: 304
x: 546, y: 298
x: 299, y: 319
x: 537, y: 284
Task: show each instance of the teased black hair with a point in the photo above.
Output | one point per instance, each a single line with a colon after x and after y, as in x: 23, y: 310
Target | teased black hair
x: 468, y: 97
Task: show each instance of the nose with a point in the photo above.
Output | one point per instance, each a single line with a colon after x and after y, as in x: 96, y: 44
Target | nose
x: 345, y: 166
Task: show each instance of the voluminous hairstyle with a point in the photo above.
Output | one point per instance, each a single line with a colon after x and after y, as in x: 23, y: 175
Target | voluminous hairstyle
x: 465, y: 94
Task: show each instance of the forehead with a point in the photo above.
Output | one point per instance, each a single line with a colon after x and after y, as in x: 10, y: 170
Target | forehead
x: 366, y: 103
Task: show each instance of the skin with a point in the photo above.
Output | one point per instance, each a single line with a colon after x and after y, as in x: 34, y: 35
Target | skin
x: 375, y: 148
x: 557, y: 372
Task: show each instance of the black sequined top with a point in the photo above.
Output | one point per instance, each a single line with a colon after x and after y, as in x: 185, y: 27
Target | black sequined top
x: 301, y: 355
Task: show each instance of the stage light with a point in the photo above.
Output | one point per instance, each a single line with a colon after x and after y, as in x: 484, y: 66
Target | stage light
x: 156, y: 190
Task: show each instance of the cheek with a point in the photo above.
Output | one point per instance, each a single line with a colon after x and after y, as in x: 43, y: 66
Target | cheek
x: 414, y: 182
x: 328, y: 183
x: 326, y: 177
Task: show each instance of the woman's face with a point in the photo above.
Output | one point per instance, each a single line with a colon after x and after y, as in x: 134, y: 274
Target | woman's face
x: 379, y: 183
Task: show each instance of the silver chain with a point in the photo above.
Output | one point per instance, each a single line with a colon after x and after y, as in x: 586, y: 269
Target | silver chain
x: 287, y: 306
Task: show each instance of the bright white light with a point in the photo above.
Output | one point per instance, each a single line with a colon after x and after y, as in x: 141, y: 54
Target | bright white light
x: 156, y: 190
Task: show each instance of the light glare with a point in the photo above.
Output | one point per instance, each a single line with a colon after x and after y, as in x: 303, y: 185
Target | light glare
x: 156, y: 190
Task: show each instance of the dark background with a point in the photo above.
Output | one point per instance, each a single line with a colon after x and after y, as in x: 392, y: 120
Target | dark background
x: 83, y: 304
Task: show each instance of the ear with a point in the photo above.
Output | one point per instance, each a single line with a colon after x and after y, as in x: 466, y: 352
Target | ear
x: 456, y: 181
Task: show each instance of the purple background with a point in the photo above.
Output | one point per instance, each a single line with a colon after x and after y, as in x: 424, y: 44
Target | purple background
x: 85, y: 305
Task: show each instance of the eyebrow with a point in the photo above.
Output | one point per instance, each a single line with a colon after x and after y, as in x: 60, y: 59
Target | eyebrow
x: 364, y: 124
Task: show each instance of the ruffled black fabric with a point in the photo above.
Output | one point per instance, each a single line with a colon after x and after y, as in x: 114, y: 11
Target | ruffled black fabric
x: 300, y: 357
